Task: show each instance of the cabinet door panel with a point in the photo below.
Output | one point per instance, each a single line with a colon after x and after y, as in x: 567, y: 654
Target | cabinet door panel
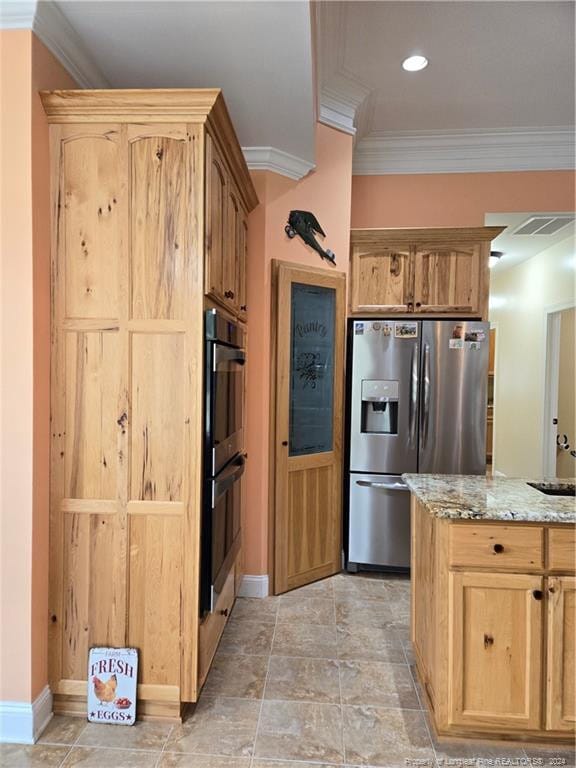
x: 90, y: 224
x: 216, y: 229
x: 242, y: 263
x: 382, y: 279
x: 231, y: 249
x: 447, y: 279
x: 561, y: 682
x: 158, y: 226
x: 496, y: 649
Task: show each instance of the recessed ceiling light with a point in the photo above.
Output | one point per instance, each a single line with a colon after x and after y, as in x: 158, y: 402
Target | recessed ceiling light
x: 414, y: 63
x: 495, y: 257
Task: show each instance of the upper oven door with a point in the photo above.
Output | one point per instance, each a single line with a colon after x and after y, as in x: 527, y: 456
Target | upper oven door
x: 225, y: 404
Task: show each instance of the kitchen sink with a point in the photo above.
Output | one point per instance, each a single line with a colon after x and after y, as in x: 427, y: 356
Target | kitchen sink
x: 555, y: 489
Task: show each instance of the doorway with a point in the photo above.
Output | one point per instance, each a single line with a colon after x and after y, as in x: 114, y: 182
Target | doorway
x: 559, y: 459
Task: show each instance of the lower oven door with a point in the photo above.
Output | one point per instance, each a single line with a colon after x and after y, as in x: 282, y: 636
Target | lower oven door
x: 221, y: 527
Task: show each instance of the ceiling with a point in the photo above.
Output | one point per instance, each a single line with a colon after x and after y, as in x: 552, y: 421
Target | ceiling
x: 498, y: 93
x: 518, y: 248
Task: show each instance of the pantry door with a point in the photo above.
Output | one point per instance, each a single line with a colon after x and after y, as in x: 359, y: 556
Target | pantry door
x: 309, y: 325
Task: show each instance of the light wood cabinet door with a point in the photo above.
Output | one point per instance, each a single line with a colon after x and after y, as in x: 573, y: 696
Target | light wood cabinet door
x: 382, y: 279
x: 447, y: 279
x: 242, y: 263
x: 495, y: 625
x: 216, y: 255
x: 561, y: 675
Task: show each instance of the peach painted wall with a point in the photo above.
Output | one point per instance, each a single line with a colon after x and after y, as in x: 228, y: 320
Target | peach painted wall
x: 25, y: 363
x: 456, y: 199
x: 327, y: 193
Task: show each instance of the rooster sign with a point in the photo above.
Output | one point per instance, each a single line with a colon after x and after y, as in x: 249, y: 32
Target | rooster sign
x: 112, y: 680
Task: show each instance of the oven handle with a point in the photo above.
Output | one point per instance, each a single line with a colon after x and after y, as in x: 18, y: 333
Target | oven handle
x: 228, y: 477
x: 228, y: 354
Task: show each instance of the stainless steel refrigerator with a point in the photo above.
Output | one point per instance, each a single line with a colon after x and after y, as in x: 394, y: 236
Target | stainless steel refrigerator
x: 417, y: 404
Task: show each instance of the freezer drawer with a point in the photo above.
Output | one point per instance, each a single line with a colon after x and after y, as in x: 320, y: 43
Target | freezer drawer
x: 379, y: 521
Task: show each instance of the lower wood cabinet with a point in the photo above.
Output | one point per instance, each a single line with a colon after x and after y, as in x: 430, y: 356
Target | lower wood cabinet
x: 496, y: 659
x: 494, y: 626
x: 561, y: 671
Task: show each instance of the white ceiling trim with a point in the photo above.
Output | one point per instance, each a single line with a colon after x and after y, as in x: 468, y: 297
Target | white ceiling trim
x: 55, y: 31
x: 519, y: 149
x: 272, y: 159
x: 340, y: 100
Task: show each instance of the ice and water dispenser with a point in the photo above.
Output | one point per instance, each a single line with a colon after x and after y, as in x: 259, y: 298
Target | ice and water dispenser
x: 380, y: 407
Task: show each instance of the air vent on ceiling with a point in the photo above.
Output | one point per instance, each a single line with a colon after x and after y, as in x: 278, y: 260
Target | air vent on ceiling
x: 543, y: 225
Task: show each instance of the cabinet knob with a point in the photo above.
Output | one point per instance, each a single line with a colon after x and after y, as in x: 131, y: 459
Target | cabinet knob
x: 244, y: 308
x: 284, y: 442
x: 418, y: 303
x: 498, y: 548
x: 537, y: 594
x: 224, y: 612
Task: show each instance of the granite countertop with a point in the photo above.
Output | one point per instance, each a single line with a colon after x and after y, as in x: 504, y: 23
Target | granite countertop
x: 476, y: 497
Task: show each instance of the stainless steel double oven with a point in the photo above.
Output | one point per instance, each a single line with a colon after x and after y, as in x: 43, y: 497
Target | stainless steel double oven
x: 224, y: 458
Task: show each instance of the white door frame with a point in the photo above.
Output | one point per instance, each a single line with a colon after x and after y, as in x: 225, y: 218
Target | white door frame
x: 551, y: 378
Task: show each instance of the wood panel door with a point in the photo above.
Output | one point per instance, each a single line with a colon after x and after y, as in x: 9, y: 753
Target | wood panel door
x: 495, y: 669
x: 308, y: 378
x: 216, y: 233
x: 561, y: 663
x: 382, y: 279
x: 448, y: 279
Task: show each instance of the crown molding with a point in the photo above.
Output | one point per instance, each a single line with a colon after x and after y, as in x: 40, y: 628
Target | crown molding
x: 272, y: 159
x: 465, y: 151
x: 340, y: 100
x: 50, y: 25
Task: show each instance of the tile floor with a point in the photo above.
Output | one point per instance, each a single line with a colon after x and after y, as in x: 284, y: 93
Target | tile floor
x: 322, y: 676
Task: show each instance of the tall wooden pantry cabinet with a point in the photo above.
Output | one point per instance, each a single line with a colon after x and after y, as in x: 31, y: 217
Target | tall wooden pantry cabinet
x: 142, y: 242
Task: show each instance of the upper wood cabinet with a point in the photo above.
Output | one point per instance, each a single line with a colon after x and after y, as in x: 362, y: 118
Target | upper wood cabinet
x: 425, y: 271
x: 139, y: 233
x: 226, y: 224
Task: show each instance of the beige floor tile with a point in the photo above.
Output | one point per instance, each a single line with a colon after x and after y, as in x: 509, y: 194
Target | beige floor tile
x: 37, y: 756
x: 363, y: 613
x: 256, y: 609
x: 289, y: 764
x: 237, y: 675
x: 301, y: 639
x: 297, y: 679
x: 219, y: 726
x: 369, y: 644
x: 360, y: 586
x: 143, y: 735
x: 316, y: 589
x: 313, y: 610
x: 385, y: 737
x: 378, y: 684
x: 291, y: 730
x: 173, y: 760
x: 99, y: 757
x: 560, y: 755
x: 449, y: 751
x: 62, y: 730
x: 250, y: 637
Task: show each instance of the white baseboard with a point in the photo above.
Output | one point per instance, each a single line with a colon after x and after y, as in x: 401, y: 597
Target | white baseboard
x: 254, y: 586
x: 23, y: 722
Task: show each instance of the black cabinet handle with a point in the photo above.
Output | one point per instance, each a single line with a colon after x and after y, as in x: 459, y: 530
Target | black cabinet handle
x: 284, y: 442
x: 418, y: 303
x: 244, y: 308
x: 224, y: 612
x: 537, y: 594
x: 498, y: 548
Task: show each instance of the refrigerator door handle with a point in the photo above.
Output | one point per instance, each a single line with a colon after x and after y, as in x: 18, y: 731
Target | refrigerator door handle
x: 413, y: 395
x: 426, y: 395
x: 388, y: 486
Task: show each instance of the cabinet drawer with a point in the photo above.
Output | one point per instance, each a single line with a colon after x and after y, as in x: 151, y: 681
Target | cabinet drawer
x: 506, y: 547
x: 562, y: 549
x: 213, y: 625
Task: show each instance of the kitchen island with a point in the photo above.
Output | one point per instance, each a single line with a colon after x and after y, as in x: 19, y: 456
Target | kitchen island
x: 494, y: 606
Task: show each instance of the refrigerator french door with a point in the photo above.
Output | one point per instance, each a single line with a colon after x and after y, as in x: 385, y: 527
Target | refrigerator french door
x: 417, y: 404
